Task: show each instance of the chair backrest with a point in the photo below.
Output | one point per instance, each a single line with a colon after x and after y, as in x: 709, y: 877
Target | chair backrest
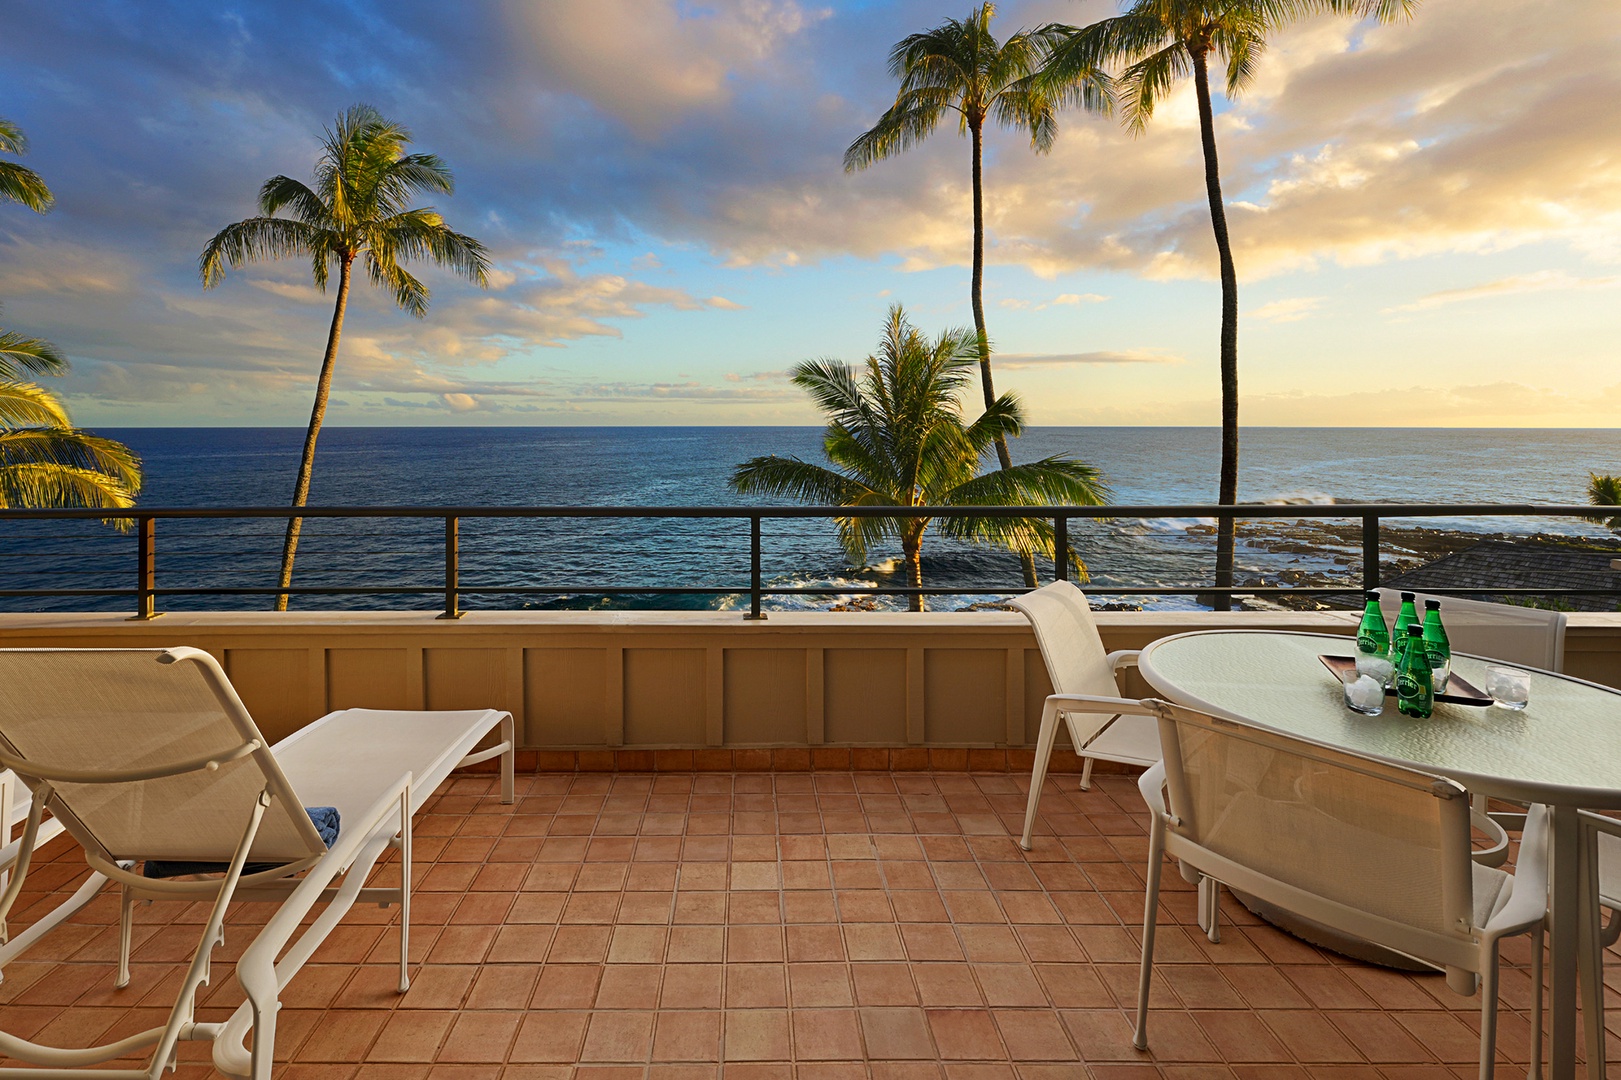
x: 124, y: 738
x: 1508, y: 632
x: 1070, y: 645
x: 1319, y: 830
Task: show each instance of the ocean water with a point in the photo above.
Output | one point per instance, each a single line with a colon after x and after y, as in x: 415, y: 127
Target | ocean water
x: 689, y: 466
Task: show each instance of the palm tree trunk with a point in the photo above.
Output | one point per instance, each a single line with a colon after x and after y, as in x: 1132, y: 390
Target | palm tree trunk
x: 1228, y: 493
x: 323, y: 387
x: 1027, y: 561
x: 912, y: 562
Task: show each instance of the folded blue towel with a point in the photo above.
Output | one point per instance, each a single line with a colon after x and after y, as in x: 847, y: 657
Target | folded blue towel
x: 324, y: 818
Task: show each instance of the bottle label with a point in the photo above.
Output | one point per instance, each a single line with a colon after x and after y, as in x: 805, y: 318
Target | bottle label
x: 1367, y: 643
x: 1408, y: 687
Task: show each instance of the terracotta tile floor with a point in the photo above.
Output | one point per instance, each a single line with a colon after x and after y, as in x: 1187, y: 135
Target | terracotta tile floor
x: 822, y: 926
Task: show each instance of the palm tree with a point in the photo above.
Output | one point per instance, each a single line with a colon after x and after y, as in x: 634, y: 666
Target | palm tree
x: 959, y: 67
x: 1160, y: 42
x: 17, y: 183
x: 44, y: 460
x: 1605, y: 490
x: 897, y: 437
x: 359, y: 205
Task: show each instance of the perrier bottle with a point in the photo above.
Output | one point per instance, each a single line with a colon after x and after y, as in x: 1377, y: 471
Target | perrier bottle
x: 1407, y: 616
x: 1372, y: 639
x: 1437, y: 646
x: 1415, y: 694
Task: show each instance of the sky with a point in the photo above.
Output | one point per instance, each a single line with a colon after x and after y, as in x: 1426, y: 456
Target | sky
x: 1426, y: 215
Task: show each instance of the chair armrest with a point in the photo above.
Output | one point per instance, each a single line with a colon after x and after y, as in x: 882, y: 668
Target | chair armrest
x: 1123, y: 658
x: 1528, y: 903
x: 1600, y: 823
x: 1092, y: 703
x: 1152, y: 785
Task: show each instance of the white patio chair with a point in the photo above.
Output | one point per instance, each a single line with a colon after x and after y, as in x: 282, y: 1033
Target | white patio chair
x: 1507, y: 632
x: 1601, y: 892
x: 1087, y: 691
x: 1361, y: 846
x: 148, y: 755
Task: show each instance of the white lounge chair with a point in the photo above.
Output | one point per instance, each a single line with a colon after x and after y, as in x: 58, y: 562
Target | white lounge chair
x: 1084, y: 676
x: 149, y: 756
x: 1361, y: 846
x: 15, y: 803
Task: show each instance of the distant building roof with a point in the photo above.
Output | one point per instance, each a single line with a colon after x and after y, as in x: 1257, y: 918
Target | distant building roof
x: 1495, y: 564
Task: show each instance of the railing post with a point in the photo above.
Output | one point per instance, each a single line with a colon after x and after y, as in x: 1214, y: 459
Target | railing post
x: 452, y: 570
x: 1370, y: 552
x: 1060, y: 548
x: 146, y: 569
x: 755, y: 582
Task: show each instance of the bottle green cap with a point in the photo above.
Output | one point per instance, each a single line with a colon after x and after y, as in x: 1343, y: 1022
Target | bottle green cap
x: 1408, y: 597
x: 1415, y: 630
x: 1371, y: 594
x: 1433, y: 605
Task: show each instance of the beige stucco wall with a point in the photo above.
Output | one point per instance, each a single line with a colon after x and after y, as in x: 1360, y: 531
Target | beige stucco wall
x: 591, y: 680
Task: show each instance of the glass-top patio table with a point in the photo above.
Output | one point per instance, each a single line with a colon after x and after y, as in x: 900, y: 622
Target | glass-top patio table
x: 1563, y: 750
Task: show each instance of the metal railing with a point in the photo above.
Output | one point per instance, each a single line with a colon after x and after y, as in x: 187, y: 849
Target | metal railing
x: 146, y: 590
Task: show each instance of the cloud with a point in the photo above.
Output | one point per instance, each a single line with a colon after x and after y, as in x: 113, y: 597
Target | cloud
x: 601, y: 146
x: 1541, y: 281
x: 1018, y: 361
x: 1061, y: 300
x: 1283, y: 311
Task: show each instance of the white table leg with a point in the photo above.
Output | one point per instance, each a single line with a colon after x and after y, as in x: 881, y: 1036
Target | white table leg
x: 1587, y: 947
x: 1564, y: 904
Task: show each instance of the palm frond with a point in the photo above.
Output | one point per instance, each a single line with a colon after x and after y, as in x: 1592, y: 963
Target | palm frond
x: 72, y: 448
x: 26, y: 405
x: 905, y: 124
x: 23, y: 185
x: 12, y: 139
x: 283, y: 192
x: 410, y: 294
x: 20, y: 354
x: 259, y: 238
x: 47, y: 486
x: 1144, y: 83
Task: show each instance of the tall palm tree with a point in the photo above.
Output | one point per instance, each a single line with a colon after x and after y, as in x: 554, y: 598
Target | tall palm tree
x: 359, y: 205
x: 897, y: 437
x: 960, y: 67
x: 1158, y: 43
x: 17, y: 183
x: 44, y: 460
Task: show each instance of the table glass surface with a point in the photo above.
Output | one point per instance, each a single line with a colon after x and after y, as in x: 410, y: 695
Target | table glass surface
x: 1568, y: 737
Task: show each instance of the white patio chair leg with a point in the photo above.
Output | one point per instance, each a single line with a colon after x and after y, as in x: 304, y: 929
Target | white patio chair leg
x: 1488, y: 1010
x: 126, y: 920
x: 405, y: 890
x: 1086, y: 774
x: 1210, y: 908
x: 1535, y: 1071
x: 1156, y: 864
x: 1038, y: 775
x: 1590, y: 957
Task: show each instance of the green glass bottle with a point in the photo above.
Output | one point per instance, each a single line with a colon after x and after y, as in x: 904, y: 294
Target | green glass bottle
x: 1372, y: 639
x: 1407, y: 616
x: 1437, y: 646
x: 1415, y: 694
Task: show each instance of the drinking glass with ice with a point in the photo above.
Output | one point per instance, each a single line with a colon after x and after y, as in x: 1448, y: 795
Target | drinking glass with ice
x: 1363, y: 692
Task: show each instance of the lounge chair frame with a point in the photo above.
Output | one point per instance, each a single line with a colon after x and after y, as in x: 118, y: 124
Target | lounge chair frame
x: 307, y: 873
